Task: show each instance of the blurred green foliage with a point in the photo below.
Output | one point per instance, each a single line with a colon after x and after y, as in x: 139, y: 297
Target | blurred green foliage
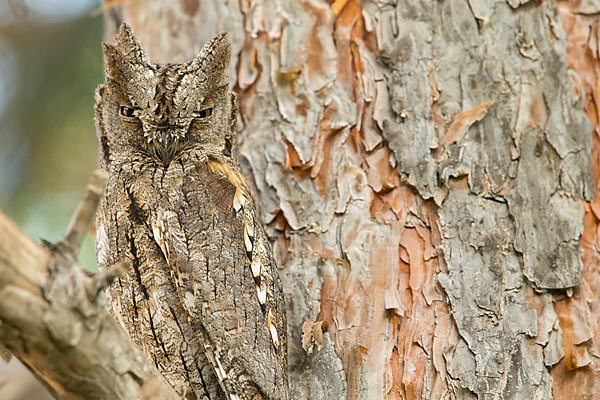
x: 47, y: 133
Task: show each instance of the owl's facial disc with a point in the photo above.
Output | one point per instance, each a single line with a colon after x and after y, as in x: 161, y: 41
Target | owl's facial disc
x: 164, y: 142
x: 164, y: 139
x: 165, y: 150
x: 168, y: 109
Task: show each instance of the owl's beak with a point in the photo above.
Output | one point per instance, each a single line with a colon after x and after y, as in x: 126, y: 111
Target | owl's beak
x: 165, y: 142
x: 166, y: 155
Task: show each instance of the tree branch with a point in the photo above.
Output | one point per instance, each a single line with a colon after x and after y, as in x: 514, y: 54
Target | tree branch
x: 52, y: 320
x: 80, y: 223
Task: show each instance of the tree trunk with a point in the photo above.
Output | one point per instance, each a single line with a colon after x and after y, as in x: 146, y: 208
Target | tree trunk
x: 427, y: 175
x: 424, y: 172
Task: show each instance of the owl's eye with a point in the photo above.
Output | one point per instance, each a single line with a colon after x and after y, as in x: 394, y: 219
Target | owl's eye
x: 207, y: 112
x: 127, y: 112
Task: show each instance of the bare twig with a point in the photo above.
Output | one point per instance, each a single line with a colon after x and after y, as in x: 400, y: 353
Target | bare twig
x: 86, y: 209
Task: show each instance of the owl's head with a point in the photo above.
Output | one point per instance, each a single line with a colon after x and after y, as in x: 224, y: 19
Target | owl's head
x: 160, y: 111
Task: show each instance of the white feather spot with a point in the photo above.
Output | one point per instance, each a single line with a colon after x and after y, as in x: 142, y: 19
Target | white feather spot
x: 274, y: 335
x: 220, y: 371
x: 234, y: 396
x: 256, y: 266
x: 236, y: 204
x: 249, y: 225
x: 262, y: 294
x: 239, y: 200
x: 158, y: 231
x: 189, y: 301
x: 247, y: 241
x: 273, y: 330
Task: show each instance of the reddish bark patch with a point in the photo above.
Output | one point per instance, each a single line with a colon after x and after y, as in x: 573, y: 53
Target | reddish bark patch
x: 294, y: 164
x: 463, y: 121
x: 314, y: 51
x: 190, y: 7
x: 312, y: 335
x: 578, y: 374
x: 353, y: 363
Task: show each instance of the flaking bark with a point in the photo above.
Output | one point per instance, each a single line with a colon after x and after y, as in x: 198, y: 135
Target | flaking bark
x: 424, y: 169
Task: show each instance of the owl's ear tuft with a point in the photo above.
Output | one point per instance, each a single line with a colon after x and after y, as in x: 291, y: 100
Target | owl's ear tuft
x: 135, y: 78
x: 124, y: 58
x: 129, y: 45
x: 113, y: 60
x: 216, y: 54
x: 213, y: 59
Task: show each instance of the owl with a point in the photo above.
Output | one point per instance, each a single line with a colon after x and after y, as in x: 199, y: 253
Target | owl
x: 203, y: 298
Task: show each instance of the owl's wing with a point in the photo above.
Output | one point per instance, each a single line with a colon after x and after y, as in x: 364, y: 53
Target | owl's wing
x: 229, y: 285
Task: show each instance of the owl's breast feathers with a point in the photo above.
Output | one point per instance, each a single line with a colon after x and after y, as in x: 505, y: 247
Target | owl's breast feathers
x: 227, y: 281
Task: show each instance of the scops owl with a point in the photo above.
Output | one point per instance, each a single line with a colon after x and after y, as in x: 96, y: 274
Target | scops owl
x: 203, y: 297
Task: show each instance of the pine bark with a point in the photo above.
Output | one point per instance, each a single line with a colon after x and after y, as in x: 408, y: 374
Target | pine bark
x: 425, y: 172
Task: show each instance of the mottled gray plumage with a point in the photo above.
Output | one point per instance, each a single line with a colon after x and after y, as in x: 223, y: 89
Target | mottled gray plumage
x: 203, y: 298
